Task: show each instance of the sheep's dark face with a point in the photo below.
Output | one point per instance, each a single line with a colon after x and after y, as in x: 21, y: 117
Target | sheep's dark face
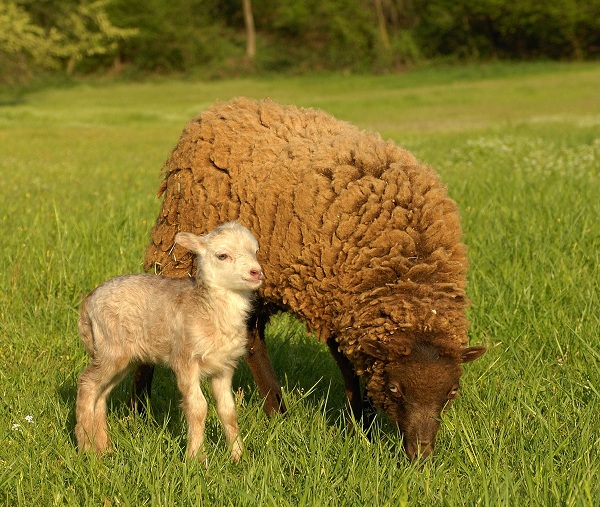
x: 419, y: 384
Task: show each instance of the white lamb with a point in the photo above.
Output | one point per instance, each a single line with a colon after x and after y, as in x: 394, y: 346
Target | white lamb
x: 196, y: 327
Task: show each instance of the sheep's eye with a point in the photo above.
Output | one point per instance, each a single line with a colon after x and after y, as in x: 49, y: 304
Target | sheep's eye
x: 222, y: 256
x: 453, y: 392
x: 393, y: 388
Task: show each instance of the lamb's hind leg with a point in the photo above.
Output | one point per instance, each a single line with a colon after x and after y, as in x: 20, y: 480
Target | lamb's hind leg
x: 88, y: 430
x: 94, y: 386
x: 194, y: 406
x: 222, y: 391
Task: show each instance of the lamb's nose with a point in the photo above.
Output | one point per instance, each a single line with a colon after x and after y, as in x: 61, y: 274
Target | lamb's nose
x: 256, y: 274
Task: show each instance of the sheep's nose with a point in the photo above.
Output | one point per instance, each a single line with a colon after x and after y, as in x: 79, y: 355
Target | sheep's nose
x: 419, y: 450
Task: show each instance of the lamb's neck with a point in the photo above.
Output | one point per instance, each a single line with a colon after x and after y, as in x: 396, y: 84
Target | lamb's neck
x: 230, y: 307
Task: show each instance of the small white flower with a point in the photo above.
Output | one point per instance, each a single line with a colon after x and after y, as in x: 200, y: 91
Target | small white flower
x: 15, y: 426
x: 29, y: 419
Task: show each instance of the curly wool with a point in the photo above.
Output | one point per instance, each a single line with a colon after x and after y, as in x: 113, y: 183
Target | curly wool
x: 358, y: 239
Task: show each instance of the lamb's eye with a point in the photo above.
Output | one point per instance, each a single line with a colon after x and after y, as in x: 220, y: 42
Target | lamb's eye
x: 222, y: 256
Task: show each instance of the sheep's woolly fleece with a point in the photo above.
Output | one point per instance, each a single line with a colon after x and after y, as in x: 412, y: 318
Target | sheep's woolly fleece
x: 357, y: 238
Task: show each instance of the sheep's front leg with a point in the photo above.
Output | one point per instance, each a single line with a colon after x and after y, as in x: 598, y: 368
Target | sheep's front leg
x: 222, y: 391
x: 361, y: 408
x: 261, y: 366
x: 194, y: 407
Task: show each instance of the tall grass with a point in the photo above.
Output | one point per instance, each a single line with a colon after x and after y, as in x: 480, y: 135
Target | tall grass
x: 519, y: 148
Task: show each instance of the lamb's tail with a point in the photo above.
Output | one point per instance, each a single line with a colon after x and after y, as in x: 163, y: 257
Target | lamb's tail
x: 84, y: 325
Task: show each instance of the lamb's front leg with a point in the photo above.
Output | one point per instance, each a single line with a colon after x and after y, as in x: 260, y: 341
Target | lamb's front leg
x: 194, y: 407
x: 222, y: 391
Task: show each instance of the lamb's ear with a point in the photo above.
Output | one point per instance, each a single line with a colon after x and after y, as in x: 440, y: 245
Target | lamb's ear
x: 384, y: 351
x: 190, y: 241
x: 471, y: 353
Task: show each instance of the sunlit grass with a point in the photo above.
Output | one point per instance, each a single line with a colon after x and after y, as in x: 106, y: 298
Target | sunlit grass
x: 518, y: 147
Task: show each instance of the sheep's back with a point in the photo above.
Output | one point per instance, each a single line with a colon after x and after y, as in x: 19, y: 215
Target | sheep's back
x: 342, y: 217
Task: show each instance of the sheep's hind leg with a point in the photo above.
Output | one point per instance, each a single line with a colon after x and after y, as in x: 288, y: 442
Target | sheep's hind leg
x: 141, y: 388
x: 222, y: 391
x: 194, y: 406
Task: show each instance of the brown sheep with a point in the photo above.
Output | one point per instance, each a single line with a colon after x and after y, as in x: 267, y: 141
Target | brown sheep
x: 358, y: 239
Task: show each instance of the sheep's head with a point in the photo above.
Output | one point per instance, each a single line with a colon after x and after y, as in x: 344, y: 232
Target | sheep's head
x: 226, y: 257
x: 417, y: 384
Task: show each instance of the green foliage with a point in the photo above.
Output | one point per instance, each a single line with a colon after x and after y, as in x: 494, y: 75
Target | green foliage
x: 88, y: 32
x: 207, y: 37
x: 83, y: 26
x: 43, y: 34
x: 502, y: 28
x: 174, y: 36
x: 23, y: 44
x: 338, y: 34
x: 518, y: 147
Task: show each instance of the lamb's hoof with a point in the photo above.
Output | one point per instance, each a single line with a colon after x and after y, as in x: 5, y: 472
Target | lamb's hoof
x: 200, y: 457
x: 236, y: 452
x: 98, y: 444
x: 95, y: 448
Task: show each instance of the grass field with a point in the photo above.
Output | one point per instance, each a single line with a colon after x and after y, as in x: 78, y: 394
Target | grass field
x: 518, y: 147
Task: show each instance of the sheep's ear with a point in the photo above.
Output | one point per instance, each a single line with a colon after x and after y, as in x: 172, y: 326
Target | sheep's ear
x: 384, y: 351
x: 471, y: 353
x: 190, y: 241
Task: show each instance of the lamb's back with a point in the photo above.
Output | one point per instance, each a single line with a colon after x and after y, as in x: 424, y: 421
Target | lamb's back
x: 137, y: 312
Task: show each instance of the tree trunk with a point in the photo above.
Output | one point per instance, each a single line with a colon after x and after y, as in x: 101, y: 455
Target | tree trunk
x: 385, y: 40
x: 250, y: 31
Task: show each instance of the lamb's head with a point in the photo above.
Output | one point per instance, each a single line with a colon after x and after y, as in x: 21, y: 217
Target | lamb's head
x: 226, y: 257
x: 414, y: 385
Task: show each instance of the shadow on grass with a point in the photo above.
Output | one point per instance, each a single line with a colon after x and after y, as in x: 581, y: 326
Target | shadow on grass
x: 8, y: 101
x: 303, y: 365
x: 159, y: 411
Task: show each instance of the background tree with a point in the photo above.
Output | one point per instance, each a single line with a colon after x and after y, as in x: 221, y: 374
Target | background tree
x: 23, y: 45
x: 250, y: 30
x: 88, y: 32
x: 47, y: 34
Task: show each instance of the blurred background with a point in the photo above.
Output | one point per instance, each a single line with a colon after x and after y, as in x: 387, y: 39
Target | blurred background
x: 50, y: 39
